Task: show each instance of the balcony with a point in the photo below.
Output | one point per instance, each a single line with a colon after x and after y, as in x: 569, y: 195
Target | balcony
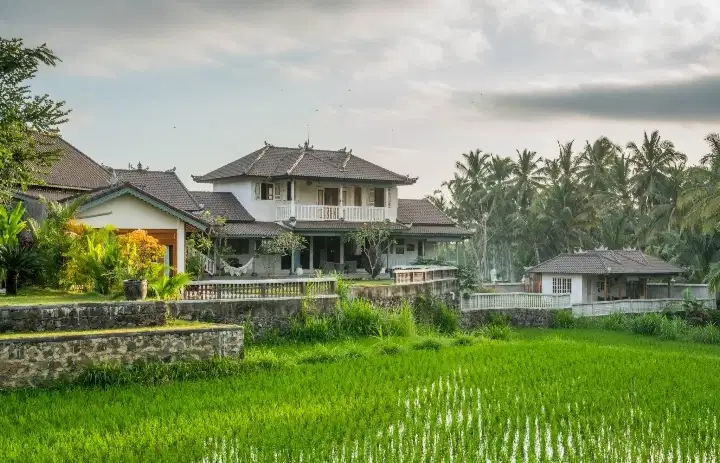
x: 320, y: 213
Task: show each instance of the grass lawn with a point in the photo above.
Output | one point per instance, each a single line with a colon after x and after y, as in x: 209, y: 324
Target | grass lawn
x: 545, y: 395
x: 172, y: 324
x: 39, y: 296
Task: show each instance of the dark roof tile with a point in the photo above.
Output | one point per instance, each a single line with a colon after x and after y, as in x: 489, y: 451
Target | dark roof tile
x: 252, y: 229
x: 600, y: 262
x: 421, y: 212
x: 222, y: 204
x: 273, y: 162
x: 164, y: 185
x: 72, y: 168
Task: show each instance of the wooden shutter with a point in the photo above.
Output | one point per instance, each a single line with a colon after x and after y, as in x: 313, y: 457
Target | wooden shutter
x: 257, y: 190
x: 371, y: 197
x: 387, y: 197
x: 276, y: 189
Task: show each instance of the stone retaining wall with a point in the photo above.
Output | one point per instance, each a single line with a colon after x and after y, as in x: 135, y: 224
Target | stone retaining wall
x: 394, y: 295
x: 523, y: 318
x: 264, y: 315
x: 30, y: 362
x: 82, y: 316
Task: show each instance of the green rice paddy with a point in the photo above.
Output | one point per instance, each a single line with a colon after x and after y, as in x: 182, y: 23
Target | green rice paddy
x: 543, y: 396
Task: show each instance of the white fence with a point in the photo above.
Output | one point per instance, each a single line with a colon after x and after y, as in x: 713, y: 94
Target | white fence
x: 259, y: 289
x: 597, y: 309
x: 485, y: 301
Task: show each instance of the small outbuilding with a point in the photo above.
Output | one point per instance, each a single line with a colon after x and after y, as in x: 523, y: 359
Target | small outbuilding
x: 603, y: 275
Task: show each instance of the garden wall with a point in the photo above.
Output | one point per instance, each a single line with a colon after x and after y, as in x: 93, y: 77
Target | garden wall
x: 524, y: 318
x: 85, y: 316
x: 264, y: 315
x: 29, y: 362
x: 394, y: 295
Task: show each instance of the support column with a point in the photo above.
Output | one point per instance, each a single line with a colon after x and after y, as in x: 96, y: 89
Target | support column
x: 253, y: 248
x: 342, y: 252
x: 342, y: 204
x: 292, y: 199
x: 457, y: 252
x: 669, y: 278
x: 312, y: 243
x: 607, y: 288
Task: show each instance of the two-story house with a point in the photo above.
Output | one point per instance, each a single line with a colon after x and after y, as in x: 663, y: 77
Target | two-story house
x: 321, y: 195
x: 318, y: 194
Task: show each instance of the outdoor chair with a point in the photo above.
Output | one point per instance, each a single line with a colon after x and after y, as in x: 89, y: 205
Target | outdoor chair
x: 351, y: 267
x: 327, y: 267
x: 340, y: 268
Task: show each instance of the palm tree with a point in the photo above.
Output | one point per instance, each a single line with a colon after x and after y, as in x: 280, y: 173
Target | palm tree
x: 596, y: 161
x: 652, y: 162
x: 528, y: 178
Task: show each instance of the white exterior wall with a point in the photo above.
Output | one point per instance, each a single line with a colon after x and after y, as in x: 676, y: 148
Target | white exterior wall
x: 132, y: 213
x: 265, y: 210
x: 577, y: 286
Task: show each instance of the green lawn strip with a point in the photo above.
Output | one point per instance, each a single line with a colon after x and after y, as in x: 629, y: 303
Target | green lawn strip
x: 553, y: 375
x: 175, y: 325
x: 40, y: 296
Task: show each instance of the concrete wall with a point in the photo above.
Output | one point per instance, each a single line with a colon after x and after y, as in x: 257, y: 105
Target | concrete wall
x: 394, y: 295
x: 525, y: 318
x: 502, y: 288
x: 677, y: 291
x: 85, y: 316
x: 30, y: 362
x: 131, y: 213
x: 264, y: 315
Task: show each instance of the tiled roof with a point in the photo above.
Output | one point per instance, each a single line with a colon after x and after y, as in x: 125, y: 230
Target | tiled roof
x: 252, y: 229
x: 163, y: 185
x: 281, y: 162
x: 438, y: 230
x: 221, y: 204
x: 72, y: 168
x: 600, y: 262
x: 53, y: 194
x: 119, y: 189
x: 336, y: 225
x: 421, y: 212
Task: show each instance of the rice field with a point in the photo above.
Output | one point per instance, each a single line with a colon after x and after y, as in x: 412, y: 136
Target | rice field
x: 544, y: 396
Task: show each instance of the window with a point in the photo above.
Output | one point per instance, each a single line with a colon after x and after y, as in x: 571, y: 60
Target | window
x: 358, y: 196
x: 379, y: 197
x: 345, y: 198
x: 601, y: 286
x: 239, y: 246
x: 399, y: 246
x: 421, y: 248
x: 321, y: 197
x: 561, y: 285
x: 289, y: 190
x: 267, y: 191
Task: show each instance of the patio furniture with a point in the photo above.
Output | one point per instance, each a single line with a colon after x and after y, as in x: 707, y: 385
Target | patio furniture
x: 351, y: 267
x: 340, y: 268
x: 327, y: 267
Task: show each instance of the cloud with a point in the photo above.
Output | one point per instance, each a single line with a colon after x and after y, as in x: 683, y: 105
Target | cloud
x: 101, y: 38
x: 690, y: 100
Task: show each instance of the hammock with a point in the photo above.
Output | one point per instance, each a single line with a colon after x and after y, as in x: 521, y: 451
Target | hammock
x: 236, y: 271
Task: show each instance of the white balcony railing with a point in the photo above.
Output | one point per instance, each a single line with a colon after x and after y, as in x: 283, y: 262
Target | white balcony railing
x: 318, y: 213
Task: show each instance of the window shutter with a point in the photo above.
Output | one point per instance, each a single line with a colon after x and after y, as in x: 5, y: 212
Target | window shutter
x: 371, y: 197
x: 257, y: 191
x: 387, y: 197
x: 276, y: 189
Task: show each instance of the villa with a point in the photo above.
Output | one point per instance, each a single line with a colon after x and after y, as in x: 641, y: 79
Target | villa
x: 318, y: 194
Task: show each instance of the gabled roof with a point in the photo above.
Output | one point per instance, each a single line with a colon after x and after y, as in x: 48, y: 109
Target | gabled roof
x: 304, y: 162
x: 252, y: 229
x: 52, y: 194
x: 449, y: 231
x: 222, y: 204
x: 336, y: 225
x: 602, y: 262
x: 108, y: 193
x: 163, y: 185
x: 72, y: 169
x: 421, y: 212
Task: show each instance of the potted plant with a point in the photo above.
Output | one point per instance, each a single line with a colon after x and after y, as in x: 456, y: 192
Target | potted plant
x: 142, y: 253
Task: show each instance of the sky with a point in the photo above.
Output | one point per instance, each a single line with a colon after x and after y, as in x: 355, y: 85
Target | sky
x: 407, y: 84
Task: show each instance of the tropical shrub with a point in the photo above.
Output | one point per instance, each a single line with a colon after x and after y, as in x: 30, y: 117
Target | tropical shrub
x: 562, y: 319
x: 284, y: 244
x: 432, y: 310
x: 11, y: 224
x: 17, y: 262
x: 168, y: 287
x: 497, y: 332
x: 95, y: 261
x: 374, y: 242
x: 358, y: 317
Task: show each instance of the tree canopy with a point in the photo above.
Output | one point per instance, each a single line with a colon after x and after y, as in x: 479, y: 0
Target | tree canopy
x: 641, y: 195
x: 27, y: 120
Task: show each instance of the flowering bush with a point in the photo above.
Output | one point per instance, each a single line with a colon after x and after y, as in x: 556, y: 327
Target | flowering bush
x: 142, y: 254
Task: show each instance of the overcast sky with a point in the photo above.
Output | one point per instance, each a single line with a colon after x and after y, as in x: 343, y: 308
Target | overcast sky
x: 407, y: 84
